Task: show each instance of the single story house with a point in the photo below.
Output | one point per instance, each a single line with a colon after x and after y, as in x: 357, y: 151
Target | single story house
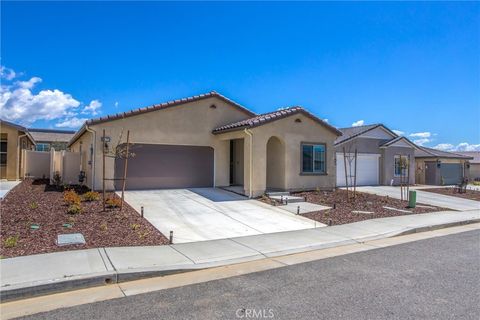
x: 381, y: 156
x: 48, y: 138
x: 13, y: 138
x: 436, y: 167
x: 211, y: 141
x: 473, y: 164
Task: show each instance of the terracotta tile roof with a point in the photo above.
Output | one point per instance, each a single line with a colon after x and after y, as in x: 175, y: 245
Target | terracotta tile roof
x: 165, y: 105
x: 269, y: 117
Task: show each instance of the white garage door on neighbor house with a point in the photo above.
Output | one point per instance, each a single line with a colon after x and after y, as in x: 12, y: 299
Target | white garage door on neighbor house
x: 367, y: 169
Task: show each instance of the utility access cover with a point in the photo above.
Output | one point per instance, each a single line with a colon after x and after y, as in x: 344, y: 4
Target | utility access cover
x: 72, y: 238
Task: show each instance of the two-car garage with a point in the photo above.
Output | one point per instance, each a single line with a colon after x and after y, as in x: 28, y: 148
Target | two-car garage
x: 158, y: 166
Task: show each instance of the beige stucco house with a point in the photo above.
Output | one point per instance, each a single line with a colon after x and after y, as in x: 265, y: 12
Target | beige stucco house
x: 437, y: 167
x: 209, y: 140
x: 382, y: 156
x: 13, y: 139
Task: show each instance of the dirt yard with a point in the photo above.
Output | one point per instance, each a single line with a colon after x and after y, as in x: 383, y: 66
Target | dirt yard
x: 366, y: 206
x: 32, y: 204
x: 469, y: 194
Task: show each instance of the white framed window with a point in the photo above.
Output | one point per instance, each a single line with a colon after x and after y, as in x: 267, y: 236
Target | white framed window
x: 401, y: 165
x: 314, y: 158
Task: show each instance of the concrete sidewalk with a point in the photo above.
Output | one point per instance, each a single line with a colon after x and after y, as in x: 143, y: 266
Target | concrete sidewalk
x: 39, y: 274
x: 424, y: 197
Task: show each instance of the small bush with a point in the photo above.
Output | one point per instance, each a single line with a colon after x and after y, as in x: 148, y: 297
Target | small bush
x: 91, y: 196
x: 33, y: 205
x: 11, y: 242
x: 142, y: 235
x: 71, y: 220
x: 104, y: 226
x: 71, y: 197
x: 74, y: 209
x: 57, y: 179
x: 134, y: 226
x: 113, y: 202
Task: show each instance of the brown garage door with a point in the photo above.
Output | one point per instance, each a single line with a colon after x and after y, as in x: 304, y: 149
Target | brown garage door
x: 167, y: 166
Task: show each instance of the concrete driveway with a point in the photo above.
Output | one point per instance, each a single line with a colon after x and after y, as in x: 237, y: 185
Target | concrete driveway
x: 428, y: 198
x: 6, y: 186
x: 199, y: 214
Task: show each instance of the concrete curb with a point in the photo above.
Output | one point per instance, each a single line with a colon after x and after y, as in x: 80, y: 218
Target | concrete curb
x: 38, y: 288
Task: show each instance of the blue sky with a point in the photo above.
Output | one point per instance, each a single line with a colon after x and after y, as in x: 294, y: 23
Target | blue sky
x: 412, y: 66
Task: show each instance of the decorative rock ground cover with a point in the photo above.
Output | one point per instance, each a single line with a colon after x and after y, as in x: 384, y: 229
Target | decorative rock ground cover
x: 34, y: 213
x: 365, y: 206
x: 469, y: 194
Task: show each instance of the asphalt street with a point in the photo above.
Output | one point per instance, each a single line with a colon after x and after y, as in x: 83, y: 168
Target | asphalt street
x: 438, y: 278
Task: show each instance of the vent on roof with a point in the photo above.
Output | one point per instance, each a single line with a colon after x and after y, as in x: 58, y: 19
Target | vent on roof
x: 298, y: 120
x: 213, y: 106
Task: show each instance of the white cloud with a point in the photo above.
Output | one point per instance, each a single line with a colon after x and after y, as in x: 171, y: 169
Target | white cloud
x: 326, y: 120
x: 92, y: 107
x: 116, y: 104
x: 444, y: 146
x: 7, y: 73
x: 28, y: 84
x: 71, y: 123
x: 358, y: 123
x: 421, y: 135
x: 421, y: 141
x: 20, y: 104
x: 464, y: 146
x: 399, y: 133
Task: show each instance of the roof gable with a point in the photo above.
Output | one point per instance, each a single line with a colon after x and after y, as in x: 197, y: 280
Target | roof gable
x: 270, y: 117
x: 372, y: 131
x: 425, y: 152
x: 169, y: 104
x: 399, y: 142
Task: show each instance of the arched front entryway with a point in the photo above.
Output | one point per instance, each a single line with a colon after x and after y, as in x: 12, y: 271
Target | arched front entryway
x: 275, y: 164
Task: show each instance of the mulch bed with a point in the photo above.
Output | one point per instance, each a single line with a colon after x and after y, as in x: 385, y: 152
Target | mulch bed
x: 36, y: 202
x: 364, y: 202
x: 469, y: 194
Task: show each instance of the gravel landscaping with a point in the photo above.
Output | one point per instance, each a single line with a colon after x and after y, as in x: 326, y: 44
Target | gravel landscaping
x: 365, y: 206
x: 34, y: 213
x: 469, y: 194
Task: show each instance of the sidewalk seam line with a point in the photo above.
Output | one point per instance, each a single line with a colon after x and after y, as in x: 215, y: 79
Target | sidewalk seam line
x: 244, y: 245
x: 182, y: 254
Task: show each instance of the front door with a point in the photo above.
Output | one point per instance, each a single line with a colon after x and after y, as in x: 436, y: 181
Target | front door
x: 430, y: 172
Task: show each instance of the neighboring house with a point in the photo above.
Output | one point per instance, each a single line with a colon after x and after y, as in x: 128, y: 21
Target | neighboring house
x: 381, y: 156
x: 474, y: 164
x: 209, y: 140
x: 13, y: 138
x: 436, y: 167
x: 47, y: 138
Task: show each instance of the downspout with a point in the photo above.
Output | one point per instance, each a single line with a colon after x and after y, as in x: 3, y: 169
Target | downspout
x: 19, y: 149
x: 94, y: 134
x: 250, y: 134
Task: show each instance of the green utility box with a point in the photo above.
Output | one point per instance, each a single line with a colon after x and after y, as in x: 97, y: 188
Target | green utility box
x: 412, y: 199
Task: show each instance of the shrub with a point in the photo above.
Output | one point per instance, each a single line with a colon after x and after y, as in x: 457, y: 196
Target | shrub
x: 142, y: 235
x: 134, y: 226
x: 74, y: 209
x: 11, y: 242
x: 57, y: 179
x: 71, y: 197
x: 33, y: 205
x: 104, y: 226
x: 113, y: 202
x: 91, y: 196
